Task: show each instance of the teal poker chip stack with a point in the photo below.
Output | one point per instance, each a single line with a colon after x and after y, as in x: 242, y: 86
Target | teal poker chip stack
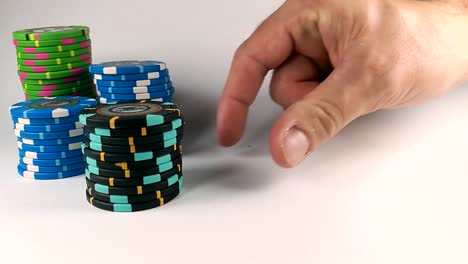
x: 54, y: 61
x: 126, y: 81
x: 49, y: 136
x: 133, y: 154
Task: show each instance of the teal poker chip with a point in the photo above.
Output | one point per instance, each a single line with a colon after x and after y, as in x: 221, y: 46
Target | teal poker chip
x: 50, y: 135
x: 51, y: 107
x: 48, y: 175
x: 130, y: 115
x: 64, y: 168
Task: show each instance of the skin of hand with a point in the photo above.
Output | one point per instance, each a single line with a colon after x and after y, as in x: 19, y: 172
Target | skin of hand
x: 336, y: 60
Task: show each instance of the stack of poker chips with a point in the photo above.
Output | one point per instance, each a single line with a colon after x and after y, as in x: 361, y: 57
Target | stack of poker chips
x: 50, y: 136
x: 54, y: 61
x: 123, y: 81
x: 133, y: 155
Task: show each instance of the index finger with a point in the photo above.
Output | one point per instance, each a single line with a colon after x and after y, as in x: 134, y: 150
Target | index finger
x: 268, y: 47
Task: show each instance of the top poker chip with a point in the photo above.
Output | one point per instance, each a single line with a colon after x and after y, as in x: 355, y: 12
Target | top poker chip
x: 51, y: 33
x: 131, y: 114
x: 51, y: 107
x: 127, y: 67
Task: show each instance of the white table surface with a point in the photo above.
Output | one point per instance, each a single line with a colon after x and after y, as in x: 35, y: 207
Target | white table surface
x: 390, y: 188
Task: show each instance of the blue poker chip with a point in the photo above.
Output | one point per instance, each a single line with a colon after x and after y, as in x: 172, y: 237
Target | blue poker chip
x: 48, y: 128
x: 103, y: 100
x: 127, y: 67
x: 47, y: 142
x: 134, y: 90
x: 34, y: 168
x: 132, y: 77
x: 139, y: 96
x: 51, y: 107
x: 148, y: 82
x: 49, y: 175
x: 51, y: 155
x: 52, y: 162
x: 49, y: 135
x: 49, y: 148
x: 45, y: 121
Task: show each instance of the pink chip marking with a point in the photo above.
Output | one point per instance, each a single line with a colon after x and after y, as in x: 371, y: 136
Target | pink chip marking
x: 84, y: 57
x: 37, y: 37
x: 44, y: 93
x: 29, y: 62
x: 23, y: 75
x: 15, y: 42
x: 41, y: 56
x: 68, y: 41
x: 30, y: 50
x: 39, y: 69
x: 70, y: 79
x: 84, y: 44
x: 76, y: 71
x: 50, y: 87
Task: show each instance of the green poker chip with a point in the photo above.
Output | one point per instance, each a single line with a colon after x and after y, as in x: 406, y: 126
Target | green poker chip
x: 41, y: 82
x: 54, y: 68
x: 57, y: 61
x: 49, y: 43
x: 60, y: 48
x: 59, y: 92
x: 52, y: 75
x: 85, y: 93
x: 52, y: 55
x: 51, y: 33
x: 53, y: 87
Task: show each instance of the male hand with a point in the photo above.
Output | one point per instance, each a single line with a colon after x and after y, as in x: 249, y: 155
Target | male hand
x: 336, y: 60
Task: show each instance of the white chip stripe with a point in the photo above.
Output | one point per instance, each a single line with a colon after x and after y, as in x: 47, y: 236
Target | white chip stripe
x: 154, y: 75
x: 27, y: 141
x: 29, y: 174
x: 31, y: 155
x: 76, y: 132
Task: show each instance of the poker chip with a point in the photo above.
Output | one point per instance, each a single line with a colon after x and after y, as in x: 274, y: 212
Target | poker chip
x: 133, y: 154
x: 148, y: 82
x: 132, y: 77
x: 54, y: 61
x: 127, y: 67
x: 138, y: 96
x: 103, y: 100
x: 134, y: 90
x: 50, y: 149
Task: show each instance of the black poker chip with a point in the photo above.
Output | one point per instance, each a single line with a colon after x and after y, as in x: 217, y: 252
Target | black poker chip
x: 145, y: 164
x: 133, y: 190
x: 131, y: 207
x: 132, y: 149
x: 132, y: 140
x: 129, y: 157
x: 136, y: 131
x: 125, y: 199
x: 135, y: 173
x: 134, y: 181
x: 130, y: 114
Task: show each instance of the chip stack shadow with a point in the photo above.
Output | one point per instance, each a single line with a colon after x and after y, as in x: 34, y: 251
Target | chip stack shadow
x: 54, y: 61
x: 49, y: 136
x: 125, y: 81
x: 133, y: 154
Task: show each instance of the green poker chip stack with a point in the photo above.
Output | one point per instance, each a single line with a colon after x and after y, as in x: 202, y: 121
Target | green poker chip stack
x: 54, y: 61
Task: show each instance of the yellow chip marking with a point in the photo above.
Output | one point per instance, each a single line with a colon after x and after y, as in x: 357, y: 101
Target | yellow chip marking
x: 26, y: 86
x: 158, y: 194
x: 47, y: 75
x: 127, y: 174
x: 72, y: 53
x: 143, y: 131
x: 132, y: 149
x: 131, y: 141
x: 36, y: 43
x: 123, y: 165
x: 161, y: 201
x: 58, y: 60
x: 178, y: 167
x: 40, y: 82
x: 139, y: 189
x: 111, y: 181
x: 89, y: 191
x: 112, y: 122
x: 69, y: 66
x: 60, y: 48
x: 31, y: 36
x: 91, y: 199
x: 19, y: 55
x: 102, y: 156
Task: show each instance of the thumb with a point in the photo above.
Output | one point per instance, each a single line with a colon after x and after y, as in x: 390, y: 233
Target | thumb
x: 319, y: 116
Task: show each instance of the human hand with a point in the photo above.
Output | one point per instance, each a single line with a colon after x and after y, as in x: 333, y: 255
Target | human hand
x: 336, y: 60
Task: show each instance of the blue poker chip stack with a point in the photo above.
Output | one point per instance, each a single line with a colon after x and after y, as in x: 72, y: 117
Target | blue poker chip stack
x: 125, y: 81
x: 49, y: 136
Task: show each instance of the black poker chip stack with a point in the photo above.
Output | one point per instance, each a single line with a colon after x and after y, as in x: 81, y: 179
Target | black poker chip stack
x: 133, y: 155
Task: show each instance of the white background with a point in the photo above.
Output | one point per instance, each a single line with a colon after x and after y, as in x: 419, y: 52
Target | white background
x: 391, y: 188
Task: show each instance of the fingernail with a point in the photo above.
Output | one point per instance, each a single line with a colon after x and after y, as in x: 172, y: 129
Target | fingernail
x: 295, y: 146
